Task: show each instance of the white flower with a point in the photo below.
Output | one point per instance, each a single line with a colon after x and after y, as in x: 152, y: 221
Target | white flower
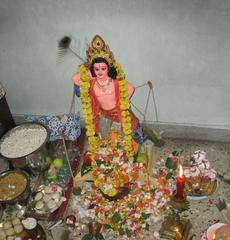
x: 125, y: 165
x: 139, y: 184
x: 204, y: 164
x: 101, y: 175
x: 148, y: 195
x: 199, y: 155
x: 187, y: 173
x: 102, y: 166
x: 156, y: 234
x: 194, y: 171
x: 137, y: 215
x: 116, y: 159
x: 107, y: 187
x: 212, y: 174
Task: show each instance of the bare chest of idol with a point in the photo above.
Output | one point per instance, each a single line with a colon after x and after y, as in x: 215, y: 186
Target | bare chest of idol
x: 105, y: 96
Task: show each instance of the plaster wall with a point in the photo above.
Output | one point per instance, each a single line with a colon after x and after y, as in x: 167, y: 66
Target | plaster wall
x: 182, y: 46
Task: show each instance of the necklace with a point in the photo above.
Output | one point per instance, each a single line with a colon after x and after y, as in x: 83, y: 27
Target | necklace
x: 103, y: 87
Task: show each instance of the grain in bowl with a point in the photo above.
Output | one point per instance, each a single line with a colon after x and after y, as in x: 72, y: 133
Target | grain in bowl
x: 12, y: 184
x: 23, y: 140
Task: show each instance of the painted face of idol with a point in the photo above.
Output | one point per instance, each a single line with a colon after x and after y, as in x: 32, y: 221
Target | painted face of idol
x: 101, y: 71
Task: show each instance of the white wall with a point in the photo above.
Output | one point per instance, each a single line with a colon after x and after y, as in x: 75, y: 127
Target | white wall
x: 182, y: 46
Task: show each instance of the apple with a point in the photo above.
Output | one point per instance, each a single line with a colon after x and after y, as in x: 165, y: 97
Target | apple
x: 142, y: 158
x: 58, y: 163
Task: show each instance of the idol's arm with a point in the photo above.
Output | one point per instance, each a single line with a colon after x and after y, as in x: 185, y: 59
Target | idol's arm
x: 76, y: 78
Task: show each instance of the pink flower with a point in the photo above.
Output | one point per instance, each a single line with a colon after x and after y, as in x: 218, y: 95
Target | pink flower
x: 131, y: 225
x: 211, y: 203
x: 54, y: 188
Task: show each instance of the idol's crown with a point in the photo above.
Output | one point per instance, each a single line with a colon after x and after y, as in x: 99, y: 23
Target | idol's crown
x: 97, y: 48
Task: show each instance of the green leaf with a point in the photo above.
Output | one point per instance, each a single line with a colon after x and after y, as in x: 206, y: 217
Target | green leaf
x: 144, y: 215
x: 107, y: 226
x: 128, y: 233
x: 169, y: 175
x: 170, y: 164
x: 150, y: 134
x: 121, y: 231
x: 147, y: 226
x: 175, y: 153
x: 130, y: 205
x: 174, y: 167
x: 108, y: 170
x: 99, y: 162
x: 87, y: 237
x: 31, y: 205
x: 116, y: 217
x: 85, y: 169
x: 99, y: 236
x: 92, y: 206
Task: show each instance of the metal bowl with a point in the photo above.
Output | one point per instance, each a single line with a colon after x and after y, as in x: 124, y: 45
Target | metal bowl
x: 35, y: 157
x: 4, y: 165
x: 8, y: 183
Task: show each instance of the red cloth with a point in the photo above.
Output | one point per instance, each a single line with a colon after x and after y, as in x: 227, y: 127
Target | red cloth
x: 113, y: 114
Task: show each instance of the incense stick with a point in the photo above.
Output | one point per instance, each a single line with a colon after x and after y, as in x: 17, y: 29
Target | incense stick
x: 66, y: 153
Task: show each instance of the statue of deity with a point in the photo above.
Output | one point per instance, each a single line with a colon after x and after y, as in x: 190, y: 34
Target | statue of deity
x: 106, y: 94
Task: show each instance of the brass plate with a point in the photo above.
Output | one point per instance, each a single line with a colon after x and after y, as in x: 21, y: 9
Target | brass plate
x: 199, y: 187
